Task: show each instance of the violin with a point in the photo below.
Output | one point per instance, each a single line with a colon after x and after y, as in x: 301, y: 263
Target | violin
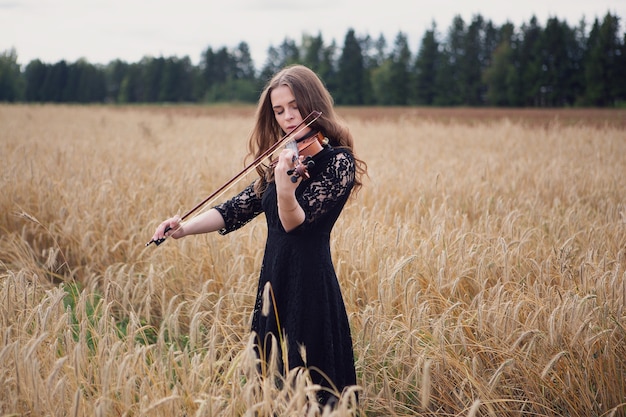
x: 300, y: 169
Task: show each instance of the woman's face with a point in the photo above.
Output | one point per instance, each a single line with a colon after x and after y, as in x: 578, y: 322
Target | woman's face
x: 286, y: 110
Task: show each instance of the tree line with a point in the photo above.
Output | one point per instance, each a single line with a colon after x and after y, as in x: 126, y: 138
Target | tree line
x: 473, y: 63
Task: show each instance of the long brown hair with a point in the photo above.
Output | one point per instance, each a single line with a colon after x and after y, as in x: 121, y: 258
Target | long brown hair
x: 310, y: 94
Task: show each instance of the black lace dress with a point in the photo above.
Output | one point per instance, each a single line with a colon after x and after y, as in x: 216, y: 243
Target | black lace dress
x: 298, y: 265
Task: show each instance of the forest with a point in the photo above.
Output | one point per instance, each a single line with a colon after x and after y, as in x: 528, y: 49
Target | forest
x: 475, y: 63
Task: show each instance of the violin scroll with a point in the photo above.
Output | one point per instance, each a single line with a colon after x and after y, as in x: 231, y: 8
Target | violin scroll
x: 301, y: 169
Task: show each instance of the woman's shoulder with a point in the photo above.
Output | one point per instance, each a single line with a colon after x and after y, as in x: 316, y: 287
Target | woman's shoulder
x: 331, y: 152
x: 342, y: 155
x: 335, y: 161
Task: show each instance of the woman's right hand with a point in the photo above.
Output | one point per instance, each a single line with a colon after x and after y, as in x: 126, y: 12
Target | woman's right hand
x: 171, y: 227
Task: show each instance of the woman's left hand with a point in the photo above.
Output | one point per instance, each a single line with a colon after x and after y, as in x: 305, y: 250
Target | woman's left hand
x: 286, y: 162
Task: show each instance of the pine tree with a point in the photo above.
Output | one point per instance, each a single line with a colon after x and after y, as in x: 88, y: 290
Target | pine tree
x: 425, y: 68
x: 11, y: 88
x: 350, y: 75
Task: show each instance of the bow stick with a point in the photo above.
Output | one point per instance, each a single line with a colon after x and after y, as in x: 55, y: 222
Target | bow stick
x: 313, y: 116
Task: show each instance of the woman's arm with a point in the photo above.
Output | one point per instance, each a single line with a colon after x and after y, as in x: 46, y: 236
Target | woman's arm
x: 209, y: 221
x: 289, y: 211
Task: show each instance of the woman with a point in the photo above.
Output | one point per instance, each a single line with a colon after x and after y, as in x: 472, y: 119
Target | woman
x: 297, y: 267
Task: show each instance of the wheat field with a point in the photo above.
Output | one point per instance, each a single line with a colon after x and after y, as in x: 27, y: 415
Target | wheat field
x: 482, y: 265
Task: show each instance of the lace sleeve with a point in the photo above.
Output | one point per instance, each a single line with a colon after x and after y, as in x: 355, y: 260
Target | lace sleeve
x: 333, y: 186
x: 240, y: 209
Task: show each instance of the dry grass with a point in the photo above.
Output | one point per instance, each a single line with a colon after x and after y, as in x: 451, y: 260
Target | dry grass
x: 482, y: 266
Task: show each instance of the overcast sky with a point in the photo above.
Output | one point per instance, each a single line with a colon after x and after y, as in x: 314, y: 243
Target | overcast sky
x: 103, y: 30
